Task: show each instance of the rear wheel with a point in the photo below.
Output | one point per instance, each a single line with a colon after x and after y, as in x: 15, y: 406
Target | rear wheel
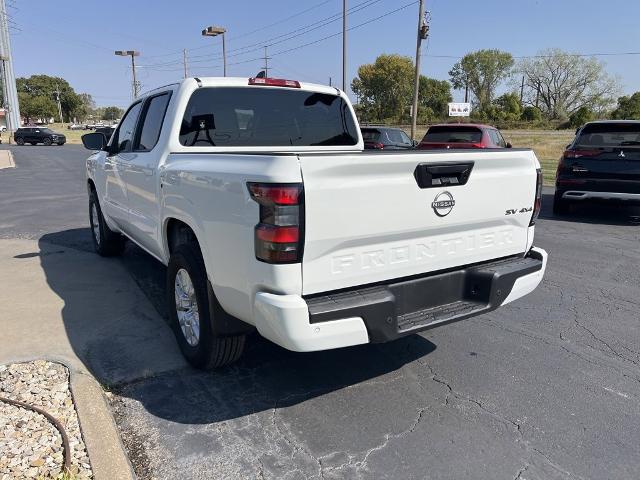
x: 560, y: 205
x: 47, y: 141
x: 190, y: 313
x: 106, y: 242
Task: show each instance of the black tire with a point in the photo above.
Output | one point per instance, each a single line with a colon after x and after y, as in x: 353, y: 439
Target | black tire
x: 560, y: 206
x: 60, y: 143
x: 209, y: 351
x: 20, y: 141
x: 47, y: 141
x: 33, y: 143
x: 109, y: 242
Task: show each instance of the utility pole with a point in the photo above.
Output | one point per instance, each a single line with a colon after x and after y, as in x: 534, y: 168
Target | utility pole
x: 9, y: 92
x: 266, y: 63
x: 344, y: 45
x: 522, y: 91
x: 423, y: 33
x: 132, y: 54
x: 59, y: 104
x: 184, y: 60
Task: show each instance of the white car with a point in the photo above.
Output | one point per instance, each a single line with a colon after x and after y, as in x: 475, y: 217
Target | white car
x: 258, y: 196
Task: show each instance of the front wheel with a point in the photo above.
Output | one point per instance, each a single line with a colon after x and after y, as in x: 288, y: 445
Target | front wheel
x: 106, y: 242
x: 190, y: 313
x: 47, y: 141
x: 20, y: 141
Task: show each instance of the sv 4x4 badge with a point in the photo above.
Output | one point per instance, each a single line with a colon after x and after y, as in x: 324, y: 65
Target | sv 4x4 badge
x: 516, y: 210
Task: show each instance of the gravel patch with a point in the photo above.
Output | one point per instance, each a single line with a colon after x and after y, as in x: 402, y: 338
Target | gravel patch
x: 30, y: 446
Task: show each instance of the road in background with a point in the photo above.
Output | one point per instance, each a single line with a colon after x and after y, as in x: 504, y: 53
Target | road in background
x: 548, y: 387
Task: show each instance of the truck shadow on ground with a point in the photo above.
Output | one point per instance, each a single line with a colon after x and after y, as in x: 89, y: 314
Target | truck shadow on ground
x: 136, y: 356
x: 594, y: 213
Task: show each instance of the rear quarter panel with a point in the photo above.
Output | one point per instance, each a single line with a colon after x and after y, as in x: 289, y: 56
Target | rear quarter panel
x: 209, y: 193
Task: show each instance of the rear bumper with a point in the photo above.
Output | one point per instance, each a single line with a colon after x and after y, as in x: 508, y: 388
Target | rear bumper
x: 580, y: 195
x: 385, y: 312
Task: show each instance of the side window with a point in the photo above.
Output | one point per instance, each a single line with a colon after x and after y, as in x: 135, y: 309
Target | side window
x: 493, y: 134
x: 153, y: 117
x: 124, y: 137
x: 501, y: 141
x: 405, y: 138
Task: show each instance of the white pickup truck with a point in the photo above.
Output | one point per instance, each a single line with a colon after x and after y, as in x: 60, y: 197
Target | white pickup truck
x: 258, y: 196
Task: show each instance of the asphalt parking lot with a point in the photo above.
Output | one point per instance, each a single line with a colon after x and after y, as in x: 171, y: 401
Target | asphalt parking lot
x: 546, y: 388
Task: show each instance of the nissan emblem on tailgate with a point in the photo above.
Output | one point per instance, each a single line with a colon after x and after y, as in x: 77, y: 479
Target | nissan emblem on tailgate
x: 443, y: 204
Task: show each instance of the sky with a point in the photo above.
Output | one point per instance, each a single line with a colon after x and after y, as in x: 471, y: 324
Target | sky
x: 76, y: 39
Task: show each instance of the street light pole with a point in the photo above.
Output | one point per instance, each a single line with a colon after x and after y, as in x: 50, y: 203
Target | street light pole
x: 132, y: 54
x: 423, y: 33
x: 213, y: 31
x: 344, y: 45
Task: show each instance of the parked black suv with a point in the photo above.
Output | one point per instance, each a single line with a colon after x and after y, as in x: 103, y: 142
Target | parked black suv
x: 35, y: 135
x: 602, y: 164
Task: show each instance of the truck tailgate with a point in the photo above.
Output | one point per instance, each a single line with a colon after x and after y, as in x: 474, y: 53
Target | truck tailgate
x: 368, y: 220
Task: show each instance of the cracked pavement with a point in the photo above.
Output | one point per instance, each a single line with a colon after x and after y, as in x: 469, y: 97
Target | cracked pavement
x: 545, y: 388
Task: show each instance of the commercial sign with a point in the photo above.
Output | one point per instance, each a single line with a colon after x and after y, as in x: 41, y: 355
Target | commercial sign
x: 459, y: 109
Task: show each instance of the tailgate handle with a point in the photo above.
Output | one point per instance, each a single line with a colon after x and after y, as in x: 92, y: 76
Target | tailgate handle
x: 429, y: 175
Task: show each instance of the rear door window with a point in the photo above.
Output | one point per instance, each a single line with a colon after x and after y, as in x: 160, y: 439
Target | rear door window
x: 152, y: 119
x: 453, y: 134
x: 264, y: 116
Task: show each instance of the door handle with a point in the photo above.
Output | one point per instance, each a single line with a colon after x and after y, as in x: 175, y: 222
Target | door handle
x: 443, y: 175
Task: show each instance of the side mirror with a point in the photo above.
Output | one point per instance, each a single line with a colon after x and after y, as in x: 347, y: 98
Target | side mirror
x: 414, y: 143
x: 94, y: 141
x: 509, y: 145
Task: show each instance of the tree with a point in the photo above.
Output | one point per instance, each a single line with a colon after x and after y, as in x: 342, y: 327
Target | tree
x: 112, y: 113
x: 49, y: 87
x: 581, y: 116
x: 434, y: 97
x: 560, y: 83
x: 508, y: 107
x: 36, y: 107
x: 531, y: 114
x: 481, y: 72
x: 385, y: 87
x: 628, y: 108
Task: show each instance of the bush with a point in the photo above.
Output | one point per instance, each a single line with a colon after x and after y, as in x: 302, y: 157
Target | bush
x: 581, y: 116
x: 531, y: 114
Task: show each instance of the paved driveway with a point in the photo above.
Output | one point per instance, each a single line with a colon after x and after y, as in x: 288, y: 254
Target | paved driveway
x: 548, y: 387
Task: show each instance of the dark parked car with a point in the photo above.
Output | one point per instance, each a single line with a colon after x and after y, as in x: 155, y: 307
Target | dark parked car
x: 384, y: 138
x: 35, y: 135
x: 107, y: 131
x: 468, y: 135
x: 602, y: 164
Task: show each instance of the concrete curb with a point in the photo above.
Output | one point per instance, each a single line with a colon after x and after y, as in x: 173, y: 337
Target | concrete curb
x: 107, y: 455
x: 6, y: 159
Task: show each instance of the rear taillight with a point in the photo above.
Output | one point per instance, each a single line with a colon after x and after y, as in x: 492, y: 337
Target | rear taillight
x: 278, y: 236
x: 581, y: 153
x: 378, y: 146
x: 537, y: 205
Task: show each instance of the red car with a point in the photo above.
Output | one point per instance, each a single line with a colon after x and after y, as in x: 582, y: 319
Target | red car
x: 467, y: 135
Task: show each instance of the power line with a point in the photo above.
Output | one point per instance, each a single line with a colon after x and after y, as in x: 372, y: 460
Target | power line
x: 252, y: 32
x: 298, y: 32
x: 379, y: 17
x: 520, y: 57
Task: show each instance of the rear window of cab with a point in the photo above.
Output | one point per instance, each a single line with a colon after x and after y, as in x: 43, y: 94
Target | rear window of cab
x: 266, y: 117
